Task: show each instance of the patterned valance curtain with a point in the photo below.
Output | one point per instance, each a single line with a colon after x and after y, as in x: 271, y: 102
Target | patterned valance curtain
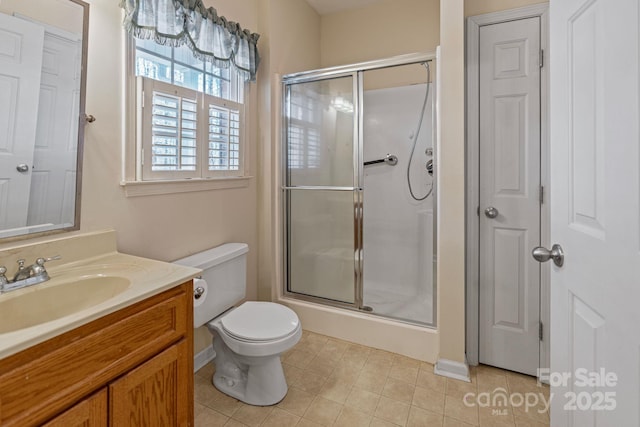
x: 188, y: 22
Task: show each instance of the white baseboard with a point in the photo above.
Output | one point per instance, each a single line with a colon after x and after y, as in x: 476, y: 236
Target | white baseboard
x: 203, y: 357
x: 452, y: 369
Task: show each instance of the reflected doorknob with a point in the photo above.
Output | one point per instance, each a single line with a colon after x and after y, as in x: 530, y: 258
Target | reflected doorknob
x: 491, y: 212
x: 542, y: 254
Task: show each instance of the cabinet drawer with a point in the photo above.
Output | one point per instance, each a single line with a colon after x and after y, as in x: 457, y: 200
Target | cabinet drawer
x: 42, y: 381
x: 91, y: 412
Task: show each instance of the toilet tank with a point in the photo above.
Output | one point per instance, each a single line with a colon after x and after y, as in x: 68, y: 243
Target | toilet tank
x: 225, y: 272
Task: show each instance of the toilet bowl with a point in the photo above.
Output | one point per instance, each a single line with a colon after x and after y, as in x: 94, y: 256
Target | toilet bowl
x: 248, y: 339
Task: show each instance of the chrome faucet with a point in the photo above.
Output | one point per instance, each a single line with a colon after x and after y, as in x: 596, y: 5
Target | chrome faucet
x: 23, y: 272
x: 25, y: 276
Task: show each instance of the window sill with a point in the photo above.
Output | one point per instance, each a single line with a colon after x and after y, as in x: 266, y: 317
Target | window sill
x: 152, y: 188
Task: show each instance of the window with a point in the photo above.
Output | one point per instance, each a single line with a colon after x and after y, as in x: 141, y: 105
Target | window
x: 190, y: 115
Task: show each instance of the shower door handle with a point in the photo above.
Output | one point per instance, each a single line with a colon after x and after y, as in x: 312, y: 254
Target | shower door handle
x: 491, y: 212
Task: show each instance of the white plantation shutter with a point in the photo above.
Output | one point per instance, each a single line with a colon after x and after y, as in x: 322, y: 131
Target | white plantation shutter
x: 224, y: 151
x: 187, y: 134
x: 169, y: 131
x: 173, y: 133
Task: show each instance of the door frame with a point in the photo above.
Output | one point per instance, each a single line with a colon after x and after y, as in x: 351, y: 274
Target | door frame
x: 472, y: 158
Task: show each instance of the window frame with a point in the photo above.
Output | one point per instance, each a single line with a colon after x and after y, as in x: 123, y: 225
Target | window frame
x: 132, y: 166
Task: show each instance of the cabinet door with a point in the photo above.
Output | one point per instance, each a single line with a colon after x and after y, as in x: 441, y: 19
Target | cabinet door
x: 157, y: 393
x: 91, y: 412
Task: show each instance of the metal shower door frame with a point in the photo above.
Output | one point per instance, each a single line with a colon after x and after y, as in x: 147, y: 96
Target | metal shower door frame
x: 356, y: 189
x: 357, y: 73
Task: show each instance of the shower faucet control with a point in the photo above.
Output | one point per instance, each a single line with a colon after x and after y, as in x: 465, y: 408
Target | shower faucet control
x: 430, y: 167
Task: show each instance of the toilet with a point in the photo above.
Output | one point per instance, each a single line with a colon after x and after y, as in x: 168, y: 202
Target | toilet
x: 249, y: 338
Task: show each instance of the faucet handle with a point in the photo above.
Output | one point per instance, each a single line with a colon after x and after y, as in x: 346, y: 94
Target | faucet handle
x: 41, y: 261
x: 20, y: 264
x: 3, y: 279
x: 39, y: 270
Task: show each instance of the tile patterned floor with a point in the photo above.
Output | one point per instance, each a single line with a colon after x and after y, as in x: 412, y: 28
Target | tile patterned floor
x: 337, y: 383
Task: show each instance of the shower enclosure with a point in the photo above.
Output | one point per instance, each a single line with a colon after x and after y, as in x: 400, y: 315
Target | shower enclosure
x: 359, y: 187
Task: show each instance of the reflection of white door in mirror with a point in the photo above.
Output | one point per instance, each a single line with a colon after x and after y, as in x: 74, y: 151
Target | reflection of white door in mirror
x: 53, y: 182
x: 21, y: 46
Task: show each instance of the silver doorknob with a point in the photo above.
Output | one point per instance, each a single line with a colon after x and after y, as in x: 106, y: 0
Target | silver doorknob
x: 22, y: 168
x: 491, y: 212
x: 542, y: 254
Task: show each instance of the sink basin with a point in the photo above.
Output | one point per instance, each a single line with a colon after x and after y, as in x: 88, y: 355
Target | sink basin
x: 50, y: 301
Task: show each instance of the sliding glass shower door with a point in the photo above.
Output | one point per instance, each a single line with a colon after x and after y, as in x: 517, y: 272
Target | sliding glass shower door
x: 321, y: 189
x: 359, y: 208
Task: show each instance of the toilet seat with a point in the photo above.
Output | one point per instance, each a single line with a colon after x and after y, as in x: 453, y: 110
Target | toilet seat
x: 258, y: 328
x: 260, y: 322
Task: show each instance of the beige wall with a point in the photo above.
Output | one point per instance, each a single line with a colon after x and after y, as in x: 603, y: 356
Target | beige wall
x: 478, y: 7
x: 385, y: 29
x: 244, y: 12
x: 164, y: 227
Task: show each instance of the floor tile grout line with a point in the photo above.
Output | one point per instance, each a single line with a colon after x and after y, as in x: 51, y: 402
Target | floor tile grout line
x: 397, y: 373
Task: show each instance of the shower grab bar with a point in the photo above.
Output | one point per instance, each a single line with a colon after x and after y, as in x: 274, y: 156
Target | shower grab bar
x: 320, y: 188
x: 389, y: 159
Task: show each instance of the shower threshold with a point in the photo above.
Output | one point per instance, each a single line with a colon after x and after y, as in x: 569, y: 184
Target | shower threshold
x: 408, y: 308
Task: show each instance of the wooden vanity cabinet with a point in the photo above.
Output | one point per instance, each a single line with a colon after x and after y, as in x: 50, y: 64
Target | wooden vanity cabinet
x: 130, y: 368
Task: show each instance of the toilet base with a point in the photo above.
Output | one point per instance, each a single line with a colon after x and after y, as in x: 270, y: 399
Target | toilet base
x: 256, y: 381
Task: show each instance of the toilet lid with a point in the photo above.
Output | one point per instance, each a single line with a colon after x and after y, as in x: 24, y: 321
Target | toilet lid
x: 260, y: 321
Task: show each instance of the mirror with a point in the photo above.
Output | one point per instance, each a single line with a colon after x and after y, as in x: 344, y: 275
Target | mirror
x: 43, y: 55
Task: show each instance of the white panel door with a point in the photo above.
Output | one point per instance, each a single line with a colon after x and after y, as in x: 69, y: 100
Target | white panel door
x: 510, y: 185
x: 595, y: 217
x: 20, y: 64
x: 53, y: 184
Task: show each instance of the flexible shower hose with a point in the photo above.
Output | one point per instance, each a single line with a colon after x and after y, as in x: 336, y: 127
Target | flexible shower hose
x: 415, y: 139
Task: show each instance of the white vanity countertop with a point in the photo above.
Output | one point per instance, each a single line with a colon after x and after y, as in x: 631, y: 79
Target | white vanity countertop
x: 147, y: 278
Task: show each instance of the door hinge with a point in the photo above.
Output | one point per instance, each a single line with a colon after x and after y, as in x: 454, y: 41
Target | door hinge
x: 542, y: 194
x: 540, y: 332
x: 478, y: 211
x: 541, y: 58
